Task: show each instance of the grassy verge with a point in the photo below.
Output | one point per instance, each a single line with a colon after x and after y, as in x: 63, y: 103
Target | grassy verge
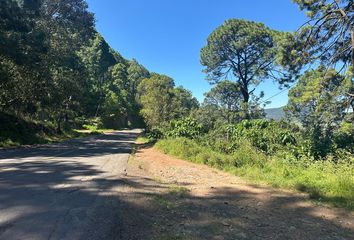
x: 326, y: 182
x: 16, y: 132
x: 142, y: 140
x: 43, y: 138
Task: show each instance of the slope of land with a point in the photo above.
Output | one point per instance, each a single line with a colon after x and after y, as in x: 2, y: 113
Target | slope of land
x: 275, y: 113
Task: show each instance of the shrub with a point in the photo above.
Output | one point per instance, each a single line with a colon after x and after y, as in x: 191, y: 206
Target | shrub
x: 266, y: 136
x: 185, y: 127
x: 154, y: 134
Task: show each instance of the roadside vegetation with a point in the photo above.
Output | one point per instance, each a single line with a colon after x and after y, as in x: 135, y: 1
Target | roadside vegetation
x: 16, y: 132
x: 58, y: 74
x: 312, y: 148
x: 264, y: 152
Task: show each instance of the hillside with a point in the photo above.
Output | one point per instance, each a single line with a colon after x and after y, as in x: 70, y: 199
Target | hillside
x: 275, y: 113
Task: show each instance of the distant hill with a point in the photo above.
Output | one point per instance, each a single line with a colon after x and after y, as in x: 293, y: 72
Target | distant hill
x: 275, y: 113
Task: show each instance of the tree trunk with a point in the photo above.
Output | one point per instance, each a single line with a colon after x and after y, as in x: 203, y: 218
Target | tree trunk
x: 245, y: 94
x: 352, y: 40
x: 59, y: 125
x: 246, y: 98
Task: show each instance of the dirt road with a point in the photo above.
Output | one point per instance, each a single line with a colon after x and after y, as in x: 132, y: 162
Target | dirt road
x: 175, y: 199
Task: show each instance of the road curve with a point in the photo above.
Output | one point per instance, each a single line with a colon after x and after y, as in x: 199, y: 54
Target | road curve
x: 63, y: 191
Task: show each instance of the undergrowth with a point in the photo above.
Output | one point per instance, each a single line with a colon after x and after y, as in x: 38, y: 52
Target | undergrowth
x: 15, y: 132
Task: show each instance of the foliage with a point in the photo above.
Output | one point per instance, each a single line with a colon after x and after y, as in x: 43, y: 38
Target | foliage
x: 71, y: 73
x: 344, y: 137
x: 155, y: 95
x: 161, y: 102
x: 324, y: 181
x: 154, y: 134
x: 246, y: 50
x: 185, y: 127
x: 17, y: 131
x: 329, y: 33
x: 225, y: 97
x: 267, y: 136
x: 318, y: 98
x: 318, y: 102
x: 328, y: 37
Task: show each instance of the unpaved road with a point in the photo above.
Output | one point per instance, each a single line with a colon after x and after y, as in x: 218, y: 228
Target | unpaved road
x: 64, y: 191
x: 174, y: 200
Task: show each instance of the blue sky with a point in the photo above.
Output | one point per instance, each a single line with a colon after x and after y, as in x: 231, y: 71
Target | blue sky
x: 166, y: 35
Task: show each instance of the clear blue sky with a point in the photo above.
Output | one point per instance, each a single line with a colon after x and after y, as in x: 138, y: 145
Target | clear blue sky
x: 166, y: 35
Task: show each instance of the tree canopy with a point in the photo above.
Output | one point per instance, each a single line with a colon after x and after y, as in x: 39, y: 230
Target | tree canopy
x: 329, y: 34
x: 246, y: 51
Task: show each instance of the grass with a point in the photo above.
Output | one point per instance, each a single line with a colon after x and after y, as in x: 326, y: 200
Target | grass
x: 15, y: 132
x: 168, y: 201
x: 43, y: 138
x: 142, y: 140
x: 325, y: 181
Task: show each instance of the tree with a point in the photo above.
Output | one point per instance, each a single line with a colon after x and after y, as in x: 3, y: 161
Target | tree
x: 226, y: 98
x: 136, y: 73
x: 318, y: 102
x: 318, y: 98
x: 97, y: 58
x: 116, y: 106
x: 328, y: 37
x: 183, y: 102
x: 161, y: 102
x: 155, y: 96
x: 208, y: 116
x: 245, y: 50
x: 329, y: 34
x: 68, y: 26
x: 20, y: 78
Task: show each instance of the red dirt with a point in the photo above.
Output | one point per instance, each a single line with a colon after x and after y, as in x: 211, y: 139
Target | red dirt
x: 176, y: 199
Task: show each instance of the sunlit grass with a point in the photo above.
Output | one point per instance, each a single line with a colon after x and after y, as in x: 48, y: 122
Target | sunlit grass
x: 324, y: 181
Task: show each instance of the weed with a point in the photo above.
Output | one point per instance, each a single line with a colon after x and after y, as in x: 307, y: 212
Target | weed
x: 324, y: 181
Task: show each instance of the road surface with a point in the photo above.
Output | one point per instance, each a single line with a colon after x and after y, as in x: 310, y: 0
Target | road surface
x: 64, y: 191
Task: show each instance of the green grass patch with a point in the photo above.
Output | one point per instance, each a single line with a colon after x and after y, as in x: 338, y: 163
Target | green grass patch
x: 324, y: 181
x: 142, y: 140
x: 164, y: 202
x: 15, y: 132
x: 169, y: 200
x: 178, y: 191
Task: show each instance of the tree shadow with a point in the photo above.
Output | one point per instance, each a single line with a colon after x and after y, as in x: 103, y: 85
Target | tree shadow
x: 234, y: 214
x: 71, y: 197
x: 104, y: 144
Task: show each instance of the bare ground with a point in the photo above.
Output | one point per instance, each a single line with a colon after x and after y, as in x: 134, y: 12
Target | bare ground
x: 168, y: 198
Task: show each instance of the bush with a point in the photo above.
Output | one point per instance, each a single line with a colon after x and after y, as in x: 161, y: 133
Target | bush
x: 266, y: 136
x: 344, y: 138
x: 185, y: 127
x: 16, y: 131
x: 154, y: 134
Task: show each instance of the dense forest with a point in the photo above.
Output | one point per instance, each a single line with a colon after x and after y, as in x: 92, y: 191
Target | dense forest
x: 57, y: 73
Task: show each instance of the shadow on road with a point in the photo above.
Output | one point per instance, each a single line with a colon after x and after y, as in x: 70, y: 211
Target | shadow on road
x: 68, y: 199
x: 115, y: 143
